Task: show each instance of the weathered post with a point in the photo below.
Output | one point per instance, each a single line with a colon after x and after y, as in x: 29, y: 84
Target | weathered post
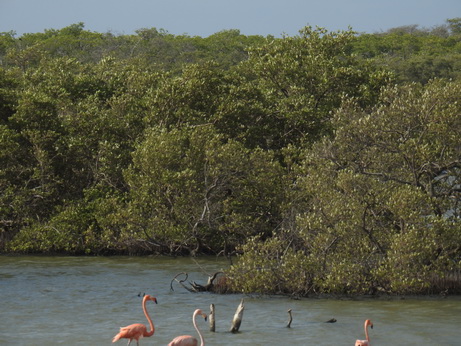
x: 212, y: 318
x: 237, y: 318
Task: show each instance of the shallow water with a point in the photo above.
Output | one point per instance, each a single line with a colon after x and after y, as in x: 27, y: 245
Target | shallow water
x: 84, y: 301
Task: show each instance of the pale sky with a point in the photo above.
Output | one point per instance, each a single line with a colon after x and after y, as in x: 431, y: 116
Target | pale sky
x: 206, y: 17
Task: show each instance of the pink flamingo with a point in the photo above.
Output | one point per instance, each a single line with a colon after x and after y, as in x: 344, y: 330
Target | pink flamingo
x: 189, y: 340
x: 137, y: 330
x: 367, y: 341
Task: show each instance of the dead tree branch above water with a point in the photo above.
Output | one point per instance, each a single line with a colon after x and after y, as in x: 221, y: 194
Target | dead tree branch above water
x: 181, y: 282
x: 210, y: 286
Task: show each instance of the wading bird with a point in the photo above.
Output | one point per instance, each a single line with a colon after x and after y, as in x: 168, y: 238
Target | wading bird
x: 137, y: 330
x: 367, y: 341
x: 189, y: 340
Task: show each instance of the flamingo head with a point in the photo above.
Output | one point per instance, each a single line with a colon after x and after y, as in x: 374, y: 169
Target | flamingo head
x: 200, y: 312
x: 368, y: 323
x: 148, y: 297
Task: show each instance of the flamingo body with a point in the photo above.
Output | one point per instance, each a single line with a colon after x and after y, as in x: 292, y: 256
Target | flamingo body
x: 189, y: 340
x: 361, y: 343
x: 133, y: 331
x: 137, y: 330
x: 367, y: 341
x: 184, y: 340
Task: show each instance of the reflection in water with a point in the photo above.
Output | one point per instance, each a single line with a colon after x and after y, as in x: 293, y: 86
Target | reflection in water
x: 85, y: 300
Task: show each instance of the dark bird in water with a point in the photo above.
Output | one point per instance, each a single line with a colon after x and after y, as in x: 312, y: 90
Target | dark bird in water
x: 333, y: 320
x: 289, y: 319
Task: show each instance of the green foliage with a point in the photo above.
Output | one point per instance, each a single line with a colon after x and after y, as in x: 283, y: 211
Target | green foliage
x: 13, y: 195
x: 190, y: 99
x: 86, y: 226
x: 414, y: 55
x: 329, y: 161
x: 191, y: 187
x: 8, y: 97
x: 64, y: 232
x: 382, y: 203
x: 304, y: 78
x: 455, y: 25
x: 271, y: 266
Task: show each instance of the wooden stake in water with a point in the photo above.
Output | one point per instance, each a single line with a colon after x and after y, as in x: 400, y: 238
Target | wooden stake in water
x: 212, y: 318
x: 237, y: 318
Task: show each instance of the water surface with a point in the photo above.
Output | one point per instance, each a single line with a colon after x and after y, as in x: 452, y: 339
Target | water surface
x: 84, y: 301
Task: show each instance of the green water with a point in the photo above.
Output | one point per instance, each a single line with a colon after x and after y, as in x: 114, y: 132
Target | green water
x: 84, y: 301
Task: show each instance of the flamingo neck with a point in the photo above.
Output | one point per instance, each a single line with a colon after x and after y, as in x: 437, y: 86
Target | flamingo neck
x: 366, y: 333
x: 151, y: 324
x: 202, y: 341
